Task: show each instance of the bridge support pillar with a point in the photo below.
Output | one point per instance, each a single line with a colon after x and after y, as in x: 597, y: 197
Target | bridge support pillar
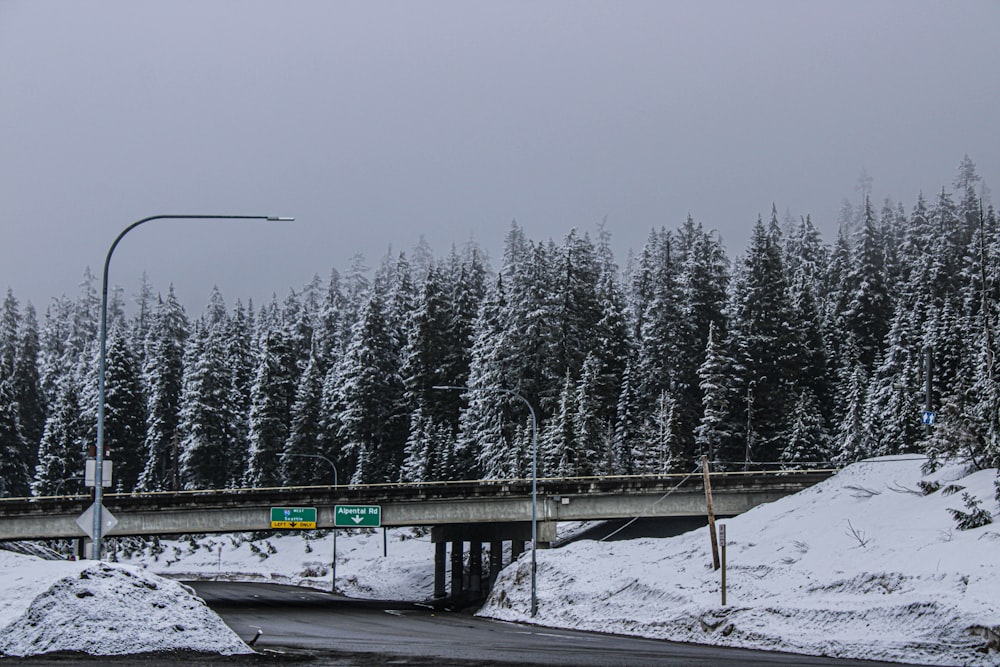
x: 496, y: 563
x: 457, y: 568
x: 516, y: 549
x: 440, y: 569
x: 475, y: 570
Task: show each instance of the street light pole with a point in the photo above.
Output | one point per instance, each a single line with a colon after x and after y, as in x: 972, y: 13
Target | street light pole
x: 102, y: 363
x: 534, y: 479
x: 333, y: 567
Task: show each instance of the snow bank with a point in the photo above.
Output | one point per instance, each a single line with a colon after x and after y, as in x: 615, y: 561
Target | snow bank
x: 402, y: 568
x: 863, y: 565
x: 102, y: 609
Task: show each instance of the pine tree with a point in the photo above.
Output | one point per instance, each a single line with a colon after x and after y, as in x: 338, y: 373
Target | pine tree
x: 85, y: 315
x: 14, y: 473
x: 869, y: 307
x: 662, y: 451
x: 54, y: 362
x: 145, y: 301
x: 61, y: 451
x: 853, y: 442
x: 594, y: 444
x: 163, y: 374
x: 240, y: 353
x: 425, y: 365
x: 713, y: 428
x: 485, y: 430
x: 125, y: 414
x: 329, y: 328
x: 271, y: 400
x: 370, y: 391
x: 627, y: 424
x: 305, y: 436
x: 807, y: 440
x: 10, y: 325
x: 763, y: 349
x: 894, y: 395
x: 27, y: 385
x: 558, y: 444
x: 205, y: 415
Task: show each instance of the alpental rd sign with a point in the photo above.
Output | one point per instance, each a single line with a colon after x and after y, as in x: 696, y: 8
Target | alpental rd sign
x: 357, y: 516
x: 303, y: 518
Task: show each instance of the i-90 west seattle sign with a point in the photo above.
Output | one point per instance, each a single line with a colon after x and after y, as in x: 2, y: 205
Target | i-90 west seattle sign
x: 357, y: 516
x: 303, y: 518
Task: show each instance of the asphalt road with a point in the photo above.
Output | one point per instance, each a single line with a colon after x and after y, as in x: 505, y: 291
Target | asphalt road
x: 311, y: 627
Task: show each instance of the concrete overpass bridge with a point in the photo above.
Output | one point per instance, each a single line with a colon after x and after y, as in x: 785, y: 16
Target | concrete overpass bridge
x: 473, y: 512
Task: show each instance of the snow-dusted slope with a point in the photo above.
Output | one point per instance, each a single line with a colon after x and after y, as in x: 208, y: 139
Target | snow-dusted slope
x: 862, y: 565
x: 102, y: 609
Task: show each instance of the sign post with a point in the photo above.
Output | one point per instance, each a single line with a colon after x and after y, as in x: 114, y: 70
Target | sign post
x: 357, y: 516
x: 722, y: 539
x: 299, y: 518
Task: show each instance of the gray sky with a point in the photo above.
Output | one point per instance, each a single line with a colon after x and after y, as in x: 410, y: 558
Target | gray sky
x: 378, y: 123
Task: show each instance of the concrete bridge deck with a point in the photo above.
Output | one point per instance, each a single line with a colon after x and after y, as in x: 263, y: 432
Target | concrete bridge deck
x: 423, y: 504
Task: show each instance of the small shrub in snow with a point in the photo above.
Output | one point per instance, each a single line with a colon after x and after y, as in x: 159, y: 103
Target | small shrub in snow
x: 976, y: 517
x: 859, y: 535
x: 315, y: 570
x: 951, y: 489
x: 927, y: 488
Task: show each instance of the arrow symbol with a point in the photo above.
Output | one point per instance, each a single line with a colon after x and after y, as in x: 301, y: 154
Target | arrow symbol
x: 357, y: 519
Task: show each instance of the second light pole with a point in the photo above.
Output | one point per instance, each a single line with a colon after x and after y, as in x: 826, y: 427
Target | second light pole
x: 333, y: 567
x: 534, y: 477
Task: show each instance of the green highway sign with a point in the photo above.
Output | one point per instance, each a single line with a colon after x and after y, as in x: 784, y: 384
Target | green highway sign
x: 293, y: 517
x: 357, y: 516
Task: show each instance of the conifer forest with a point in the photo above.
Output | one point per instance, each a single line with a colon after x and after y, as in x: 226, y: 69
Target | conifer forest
x: 798, y: 351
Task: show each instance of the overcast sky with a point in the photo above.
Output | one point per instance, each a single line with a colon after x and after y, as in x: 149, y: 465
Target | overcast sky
x: 376, y: 123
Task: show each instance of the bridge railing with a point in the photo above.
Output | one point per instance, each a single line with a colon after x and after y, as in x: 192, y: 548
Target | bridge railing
x: 443, y: 489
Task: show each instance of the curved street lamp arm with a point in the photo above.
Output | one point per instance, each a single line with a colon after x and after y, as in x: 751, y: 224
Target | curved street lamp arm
x: 102, y: 361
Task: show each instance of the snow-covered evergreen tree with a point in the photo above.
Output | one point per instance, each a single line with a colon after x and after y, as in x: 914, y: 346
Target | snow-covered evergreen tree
x: 31, y: 408
x: 14, y: 473
x: 124, y: 413
x: 305, y: 435
x: 271, y: 400
x: 163, y: 374
x: 206, y: 414
x: 61, y: 452
x: 713, y: 429
x: 370, y: 394
x: 807, y: 440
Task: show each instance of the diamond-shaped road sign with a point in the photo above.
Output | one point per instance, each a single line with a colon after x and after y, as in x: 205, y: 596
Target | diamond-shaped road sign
x: 86, y: 521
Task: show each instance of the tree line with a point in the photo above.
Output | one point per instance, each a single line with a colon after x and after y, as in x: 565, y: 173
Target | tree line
x: 795, y: 352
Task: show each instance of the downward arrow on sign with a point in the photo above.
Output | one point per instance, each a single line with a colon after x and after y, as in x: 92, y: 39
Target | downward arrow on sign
x: 357, y: 519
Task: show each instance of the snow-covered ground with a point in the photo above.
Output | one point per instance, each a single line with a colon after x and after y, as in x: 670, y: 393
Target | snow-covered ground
x: 863, y: 565
x: 102, y: 609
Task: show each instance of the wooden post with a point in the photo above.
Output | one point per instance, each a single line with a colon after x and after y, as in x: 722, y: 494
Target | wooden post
x: 711, y: 513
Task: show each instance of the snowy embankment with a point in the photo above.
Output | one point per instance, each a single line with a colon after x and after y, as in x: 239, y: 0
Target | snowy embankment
x: 102, y: 609
x: 863, y: 565
x: 397, y: 567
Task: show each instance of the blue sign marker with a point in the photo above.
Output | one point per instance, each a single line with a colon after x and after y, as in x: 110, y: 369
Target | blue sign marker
x: 928, y: 418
